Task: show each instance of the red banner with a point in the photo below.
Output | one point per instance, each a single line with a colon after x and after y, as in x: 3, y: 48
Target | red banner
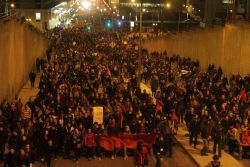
x: 110, y: 143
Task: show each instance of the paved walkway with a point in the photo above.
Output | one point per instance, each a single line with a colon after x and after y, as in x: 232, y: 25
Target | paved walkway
x: 227, y: 160
x: 28, y: 92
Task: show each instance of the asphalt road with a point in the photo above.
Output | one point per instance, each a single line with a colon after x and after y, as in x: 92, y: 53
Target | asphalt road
x: 180, y: 159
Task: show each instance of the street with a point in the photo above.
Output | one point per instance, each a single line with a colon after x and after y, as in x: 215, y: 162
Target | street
x: 180, y: 159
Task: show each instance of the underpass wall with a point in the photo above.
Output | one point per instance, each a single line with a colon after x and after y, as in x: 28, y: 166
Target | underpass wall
x: 19, y: 49
x: 227, y: 47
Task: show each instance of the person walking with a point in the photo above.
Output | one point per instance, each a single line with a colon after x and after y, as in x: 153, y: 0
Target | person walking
x: 50, y: 152
x: 32, y: 77
x: 141, y: 155
x: 89, y: 142
x: 217, y: 138
x: 194, y: 131
x: 204, y: 136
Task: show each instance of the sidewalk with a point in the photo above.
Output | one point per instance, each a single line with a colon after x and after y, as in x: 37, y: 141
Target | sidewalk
x: 28, y: 92
x: 227, y: 160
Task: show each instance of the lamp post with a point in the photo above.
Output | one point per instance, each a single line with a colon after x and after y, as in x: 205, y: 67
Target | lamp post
x: 12, y: 7
x: 140, y: 46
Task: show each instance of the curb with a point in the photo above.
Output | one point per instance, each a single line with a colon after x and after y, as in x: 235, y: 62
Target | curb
x: 188, y: 153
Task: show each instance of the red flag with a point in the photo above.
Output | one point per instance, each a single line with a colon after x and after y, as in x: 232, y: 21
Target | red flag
x: 243, y: 95
x: 159, y: 105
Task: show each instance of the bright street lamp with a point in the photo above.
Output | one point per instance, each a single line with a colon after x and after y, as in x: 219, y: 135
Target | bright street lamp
x: 85, y: 4
x: 12, y: 5
x: 168, y: 5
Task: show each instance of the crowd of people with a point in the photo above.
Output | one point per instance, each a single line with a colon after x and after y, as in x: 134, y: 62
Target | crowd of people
x: 88, y: 69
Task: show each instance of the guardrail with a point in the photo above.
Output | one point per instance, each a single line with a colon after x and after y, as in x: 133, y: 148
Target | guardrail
x: 7, y: 16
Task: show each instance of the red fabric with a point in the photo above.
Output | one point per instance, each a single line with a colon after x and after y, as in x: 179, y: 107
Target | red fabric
x: 118, y: 143
x: 89, y: 140
x: 106, y: 142
x: 245, y: 137
x: 141, y: 157
x: 128, y: 140
x: 174, y: 117
x: 125, y: 108
x: 107, y: 72
x: 159, y: 105
x: 120, y: 118
x: 243, y: 95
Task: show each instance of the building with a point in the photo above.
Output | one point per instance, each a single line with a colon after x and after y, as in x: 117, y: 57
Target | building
x: 229, y: 10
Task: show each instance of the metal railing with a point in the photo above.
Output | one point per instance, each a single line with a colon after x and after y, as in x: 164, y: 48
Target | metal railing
x: 7, y: 16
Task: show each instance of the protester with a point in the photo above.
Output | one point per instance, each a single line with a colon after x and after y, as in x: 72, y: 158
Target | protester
x: 217, y: 138
x: 141, y: 156
x: 32, y: 77
x: 215, y: 162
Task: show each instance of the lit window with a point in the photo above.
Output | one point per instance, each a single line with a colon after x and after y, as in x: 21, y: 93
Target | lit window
x: 38, y: 16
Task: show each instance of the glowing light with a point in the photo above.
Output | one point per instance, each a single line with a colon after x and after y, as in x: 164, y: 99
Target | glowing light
x: 119, y: 23
x: 85, y: 4
x: 168, y: 5
x: 132, y: 1
x: 63, y: 3
x: 12, y: 5
x: 132, y: 24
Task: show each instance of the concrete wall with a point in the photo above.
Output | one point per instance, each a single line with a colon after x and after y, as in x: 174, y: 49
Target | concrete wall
x: 227, y: 47
x: 31, y: 14
x: 19, y: 48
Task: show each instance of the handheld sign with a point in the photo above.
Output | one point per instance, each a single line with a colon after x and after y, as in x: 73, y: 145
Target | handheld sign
x: 98, y: 115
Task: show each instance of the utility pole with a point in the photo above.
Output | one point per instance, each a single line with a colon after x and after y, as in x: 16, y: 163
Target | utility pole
x: 140, y: 46
x: 179, y: 19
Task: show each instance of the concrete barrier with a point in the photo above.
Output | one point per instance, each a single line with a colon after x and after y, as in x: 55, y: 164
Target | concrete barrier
x: 19, y: 49
x: 228, y: 47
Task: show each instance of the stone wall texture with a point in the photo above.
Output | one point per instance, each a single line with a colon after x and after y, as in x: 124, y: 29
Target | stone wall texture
x: 19, y: 49
x: 228, y: 47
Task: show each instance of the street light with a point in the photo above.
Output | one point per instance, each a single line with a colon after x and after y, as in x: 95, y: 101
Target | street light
x: 133, y: 1
x: 168, y: 5
x: 140, y: 45
x: 12, y: 5
x: 85, y: 4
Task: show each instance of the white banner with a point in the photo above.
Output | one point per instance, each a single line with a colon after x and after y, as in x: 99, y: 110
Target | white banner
x: 98, y: 115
